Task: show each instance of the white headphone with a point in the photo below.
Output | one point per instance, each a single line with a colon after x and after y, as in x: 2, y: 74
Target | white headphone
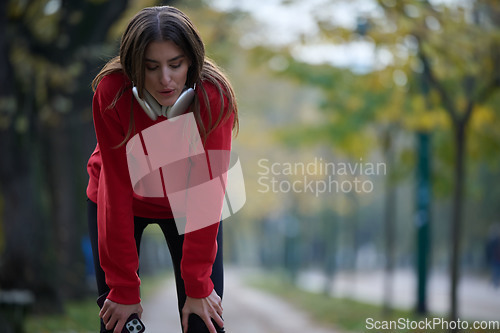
x: 153, y: 109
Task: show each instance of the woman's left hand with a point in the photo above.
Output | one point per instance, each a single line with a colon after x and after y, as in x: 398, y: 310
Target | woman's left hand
x: 207, y: 308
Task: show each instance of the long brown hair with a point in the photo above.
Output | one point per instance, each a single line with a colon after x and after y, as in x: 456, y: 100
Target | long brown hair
x: 166, y: 23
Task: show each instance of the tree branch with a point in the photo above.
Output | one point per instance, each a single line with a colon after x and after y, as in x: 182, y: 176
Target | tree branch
x: 433, y: 81
x: 494, y: 83
x: 488, y: 89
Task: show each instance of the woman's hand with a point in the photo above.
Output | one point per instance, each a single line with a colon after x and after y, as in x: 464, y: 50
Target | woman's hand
x: 207, y: 308
x: 117, y: 314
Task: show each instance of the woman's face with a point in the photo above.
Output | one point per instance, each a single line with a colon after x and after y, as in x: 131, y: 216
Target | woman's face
x: 166, y: 71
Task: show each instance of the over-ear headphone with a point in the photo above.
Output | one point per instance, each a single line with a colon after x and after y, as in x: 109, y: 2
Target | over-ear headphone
x: 153, y: 109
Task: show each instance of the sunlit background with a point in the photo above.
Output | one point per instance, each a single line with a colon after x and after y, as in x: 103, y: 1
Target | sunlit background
x: 368, y: 139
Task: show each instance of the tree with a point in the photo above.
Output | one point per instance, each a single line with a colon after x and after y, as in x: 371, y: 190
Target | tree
x: 49, y: 52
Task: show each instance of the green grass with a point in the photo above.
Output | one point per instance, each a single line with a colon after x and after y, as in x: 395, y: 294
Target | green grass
x: 79, y: 317
x: 82, y: 316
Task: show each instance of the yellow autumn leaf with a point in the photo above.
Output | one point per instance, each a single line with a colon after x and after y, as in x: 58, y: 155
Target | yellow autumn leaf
x: 482, y: 116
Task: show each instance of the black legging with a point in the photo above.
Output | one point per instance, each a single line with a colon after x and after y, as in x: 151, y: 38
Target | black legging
x: 174, y: 242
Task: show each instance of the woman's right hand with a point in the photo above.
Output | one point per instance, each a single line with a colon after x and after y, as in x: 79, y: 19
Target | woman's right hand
x: 117, y: 314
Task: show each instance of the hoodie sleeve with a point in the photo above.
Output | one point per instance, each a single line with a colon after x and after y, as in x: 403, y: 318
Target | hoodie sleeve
x: 117, y: 248
x: 200, y: 246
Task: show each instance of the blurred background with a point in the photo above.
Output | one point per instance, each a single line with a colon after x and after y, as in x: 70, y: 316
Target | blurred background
x: 369, y: 141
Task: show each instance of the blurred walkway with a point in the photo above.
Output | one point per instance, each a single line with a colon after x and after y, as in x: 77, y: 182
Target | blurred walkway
x: 478, y: 299
x: 246, y: 310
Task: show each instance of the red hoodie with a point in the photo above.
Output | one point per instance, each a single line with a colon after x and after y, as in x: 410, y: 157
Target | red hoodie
x: 110, y: 187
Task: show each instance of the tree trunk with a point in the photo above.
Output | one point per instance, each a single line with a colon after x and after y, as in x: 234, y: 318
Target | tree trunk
x: 457, y: 216
x: 390, y: 212
x: 62, y: 177
x: 27, y: 256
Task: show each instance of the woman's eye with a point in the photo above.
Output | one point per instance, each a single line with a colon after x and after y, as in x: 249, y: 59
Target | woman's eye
x: 151, y: 68
x: 176, y: 65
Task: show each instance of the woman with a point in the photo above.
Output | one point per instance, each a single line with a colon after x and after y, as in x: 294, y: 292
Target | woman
x: 161, y: 53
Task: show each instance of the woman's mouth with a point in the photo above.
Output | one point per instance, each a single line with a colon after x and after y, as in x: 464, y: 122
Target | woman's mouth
x: 167, y: 92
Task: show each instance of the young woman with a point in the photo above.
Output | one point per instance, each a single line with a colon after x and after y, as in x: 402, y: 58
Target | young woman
x: 161, y: 54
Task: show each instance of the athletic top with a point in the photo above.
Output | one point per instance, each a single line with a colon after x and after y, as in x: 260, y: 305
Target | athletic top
x: 110, y: 187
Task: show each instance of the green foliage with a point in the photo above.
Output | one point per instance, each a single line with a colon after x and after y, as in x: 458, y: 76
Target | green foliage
x: 423, y: 39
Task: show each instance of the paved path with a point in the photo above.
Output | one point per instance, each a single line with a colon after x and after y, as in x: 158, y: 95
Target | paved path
x: 246, y: 310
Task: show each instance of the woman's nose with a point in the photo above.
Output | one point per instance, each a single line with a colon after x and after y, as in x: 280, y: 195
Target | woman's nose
x: 165, y: 77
